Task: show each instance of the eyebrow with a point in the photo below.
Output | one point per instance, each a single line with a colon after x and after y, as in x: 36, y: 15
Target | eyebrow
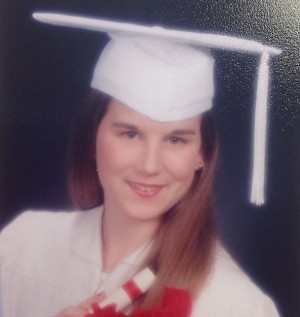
x: 184, y: 132
x: 125, y: 125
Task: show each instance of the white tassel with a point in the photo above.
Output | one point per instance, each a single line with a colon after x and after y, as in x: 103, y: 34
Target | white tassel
x: 260, y: 133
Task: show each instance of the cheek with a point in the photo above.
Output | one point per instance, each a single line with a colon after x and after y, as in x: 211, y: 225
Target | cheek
x: 182, y: 167
x: 110, y: 156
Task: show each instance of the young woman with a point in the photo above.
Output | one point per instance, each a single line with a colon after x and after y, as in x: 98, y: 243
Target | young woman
x: 142, y: 165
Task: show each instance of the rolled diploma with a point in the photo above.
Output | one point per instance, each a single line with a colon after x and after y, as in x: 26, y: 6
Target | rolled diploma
x: 130, y: 291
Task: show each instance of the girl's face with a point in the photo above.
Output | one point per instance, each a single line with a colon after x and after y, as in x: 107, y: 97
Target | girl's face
x: 145, y: 166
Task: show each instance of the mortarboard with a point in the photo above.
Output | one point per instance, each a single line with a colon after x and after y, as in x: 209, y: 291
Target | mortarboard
x: 167, y: 74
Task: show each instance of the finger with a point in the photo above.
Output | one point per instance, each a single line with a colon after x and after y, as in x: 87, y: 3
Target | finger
x: 72, y: 311
x: 98, y: 298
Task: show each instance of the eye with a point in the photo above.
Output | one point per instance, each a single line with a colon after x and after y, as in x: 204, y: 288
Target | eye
x: 175, y: 140
x: 130, y: 134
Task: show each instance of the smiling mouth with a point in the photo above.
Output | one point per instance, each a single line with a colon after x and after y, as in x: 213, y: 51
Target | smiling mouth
x: 145, y: 190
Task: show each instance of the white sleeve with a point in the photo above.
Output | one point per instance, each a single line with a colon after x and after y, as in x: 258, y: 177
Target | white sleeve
x: 230, y: 307
x: 229, y: 292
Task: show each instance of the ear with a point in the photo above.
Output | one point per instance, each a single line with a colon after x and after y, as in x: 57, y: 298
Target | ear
x: 200, y: 162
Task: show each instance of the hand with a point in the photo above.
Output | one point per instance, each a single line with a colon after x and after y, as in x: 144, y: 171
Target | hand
x: 82, y: 309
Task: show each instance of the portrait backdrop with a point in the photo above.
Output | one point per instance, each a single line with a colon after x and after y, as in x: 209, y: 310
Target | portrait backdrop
x: 45, y: 73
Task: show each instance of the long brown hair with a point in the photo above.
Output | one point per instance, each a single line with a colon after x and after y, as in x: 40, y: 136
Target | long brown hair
x: 182, y: 249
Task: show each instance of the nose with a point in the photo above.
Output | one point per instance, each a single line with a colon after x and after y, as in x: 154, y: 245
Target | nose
x: 149, y: 162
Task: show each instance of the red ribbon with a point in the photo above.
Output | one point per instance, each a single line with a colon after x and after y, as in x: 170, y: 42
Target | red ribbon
x: 132, y: 290
x: 175, y: 302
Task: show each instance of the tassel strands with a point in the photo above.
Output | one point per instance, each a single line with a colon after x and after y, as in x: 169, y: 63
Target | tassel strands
x: 260, y: 133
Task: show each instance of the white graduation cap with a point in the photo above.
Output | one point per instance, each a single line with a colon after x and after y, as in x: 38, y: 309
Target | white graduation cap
x: 167, y: 74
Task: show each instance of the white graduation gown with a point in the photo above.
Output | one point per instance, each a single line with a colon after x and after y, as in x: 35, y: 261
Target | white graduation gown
x: 49, y: 260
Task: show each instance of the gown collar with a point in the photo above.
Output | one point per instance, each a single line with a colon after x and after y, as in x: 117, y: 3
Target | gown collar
x: 87, y: 244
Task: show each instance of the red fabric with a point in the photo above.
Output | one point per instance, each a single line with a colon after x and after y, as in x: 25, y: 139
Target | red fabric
x: 174, y: 303
x: 132, y: 290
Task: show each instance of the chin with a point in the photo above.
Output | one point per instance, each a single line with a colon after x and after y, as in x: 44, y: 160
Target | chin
x: 145, y: 212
